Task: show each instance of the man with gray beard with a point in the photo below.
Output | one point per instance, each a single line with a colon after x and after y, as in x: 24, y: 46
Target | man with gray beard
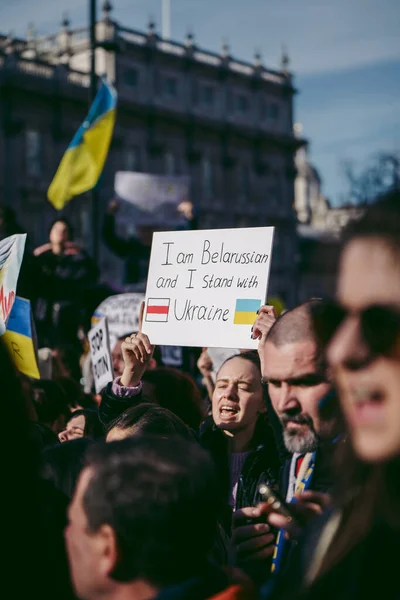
x: 294, y: 370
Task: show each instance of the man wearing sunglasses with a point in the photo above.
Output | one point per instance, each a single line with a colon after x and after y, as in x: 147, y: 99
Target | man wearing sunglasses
x: 294, y: 369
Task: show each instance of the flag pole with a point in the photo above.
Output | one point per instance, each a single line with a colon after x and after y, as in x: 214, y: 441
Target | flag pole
x: 166, y: 19
x: 92, y: 94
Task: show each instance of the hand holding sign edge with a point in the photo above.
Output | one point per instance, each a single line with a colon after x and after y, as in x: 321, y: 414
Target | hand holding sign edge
x: 137, y: 353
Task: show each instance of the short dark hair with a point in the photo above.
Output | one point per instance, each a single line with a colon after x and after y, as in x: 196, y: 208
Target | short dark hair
x: 66, y: 223
x: 176, y: 391
x: 50, y: 400
x: 295, y: 325
x: 151, y: 419
x: 93, y: 426
x: 250, y: 355
x: 160, y: 496
x: 62, y: 463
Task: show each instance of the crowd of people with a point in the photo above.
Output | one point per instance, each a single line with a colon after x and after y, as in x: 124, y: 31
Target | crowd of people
x: 279, y: 478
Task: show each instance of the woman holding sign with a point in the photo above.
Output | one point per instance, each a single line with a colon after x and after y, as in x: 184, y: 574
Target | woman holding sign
x: 238, y: 434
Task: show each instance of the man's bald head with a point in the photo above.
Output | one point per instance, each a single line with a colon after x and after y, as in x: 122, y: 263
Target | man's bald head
x: 293, y: 366
x: 293, y: 326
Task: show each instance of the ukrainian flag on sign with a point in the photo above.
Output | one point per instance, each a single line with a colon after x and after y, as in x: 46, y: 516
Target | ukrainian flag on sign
x: 19, y: 338
x: 246, y: 311
x: 83, y: 161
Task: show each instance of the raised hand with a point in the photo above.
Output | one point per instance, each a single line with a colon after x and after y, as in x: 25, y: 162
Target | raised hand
x: 137, y: 352
x: 266, y: 318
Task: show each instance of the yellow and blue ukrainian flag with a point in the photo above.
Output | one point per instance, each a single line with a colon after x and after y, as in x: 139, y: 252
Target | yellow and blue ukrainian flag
x: 246, y: 311
x: 83, y: 161
x: 19, y: 338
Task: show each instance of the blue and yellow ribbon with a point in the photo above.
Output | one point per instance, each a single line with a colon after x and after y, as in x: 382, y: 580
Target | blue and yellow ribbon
x: 302, y: 484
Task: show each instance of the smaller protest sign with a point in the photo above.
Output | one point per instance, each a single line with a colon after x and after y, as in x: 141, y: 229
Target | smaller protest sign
x: 122, y: 312
x: 101, y: 355
x: 20, y: 338
x: 11, y: 254
x: 151, y: 199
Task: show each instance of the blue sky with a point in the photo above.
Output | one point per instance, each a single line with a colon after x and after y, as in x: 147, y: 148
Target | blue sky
x: 345, y: 55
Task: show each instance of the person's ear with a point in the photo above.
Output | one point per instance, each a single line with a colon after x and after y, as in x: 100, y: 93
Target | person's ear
x: 107, y: 550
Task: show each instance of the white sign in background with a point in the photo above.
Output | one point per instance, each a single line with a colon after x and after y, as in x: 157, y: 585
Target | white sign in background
x: 219, y: 356
x: 122, y: 312
x: 150, y: 199
x: 204, y: 287
x: 101, y: 355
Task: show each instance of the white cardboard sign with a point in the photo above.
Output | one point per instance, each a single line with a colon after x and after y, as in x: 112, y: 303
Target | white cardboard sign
x: 101, y: 355
x: 204, y: 287
x: 122, y: 312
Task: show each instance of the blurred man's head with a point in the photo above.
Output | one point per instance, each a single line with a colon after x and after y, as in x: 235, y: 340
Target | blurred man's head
x: 143, y: 517
x: 293, y: 366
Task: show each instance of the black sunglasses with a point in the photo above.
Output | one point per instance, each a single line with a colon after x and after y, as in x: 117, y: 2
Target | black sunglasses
x: 379, y: 324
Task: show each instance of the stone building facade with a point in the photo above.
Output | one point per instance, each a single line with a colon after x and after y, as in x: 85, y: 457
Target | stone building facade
x: 181, y: 110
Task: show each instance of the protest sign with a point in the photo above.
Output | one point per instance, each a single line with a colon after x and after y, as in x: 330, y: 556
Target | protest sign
x: 151, y: 199
x: 20, y: 338
x: 219, y: 356
x: 122, y: 312
x: 11, y: 254
x: 204, y: 288
x: 101, y: 355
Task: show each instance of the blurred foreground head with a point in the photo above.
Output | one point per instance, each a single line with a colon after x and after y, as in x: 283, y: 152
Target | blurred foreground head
x: 364, y: 340
x: 143, y: 517
x: 148, y: 419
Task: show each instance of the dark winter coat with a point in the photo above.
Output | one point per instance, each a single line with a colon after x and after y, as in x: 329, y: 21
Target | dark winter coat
x: 136, y: 253
x: 62, y: 280
x: 369, y: 570
x: 261, y: 466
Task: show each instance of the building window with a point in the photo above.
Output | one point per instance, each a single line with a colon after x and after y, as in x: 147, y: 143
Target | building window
x: 277, y: 248
x: 263, y: 108
x: 207, y: 95
x: 269, y: 111
x: 275, y: 189
x: 131, y: 159
x: 195, y: 92
x: 156, y: 82
x: 131, y: 77
x: 208, y: 178
x: 170, y: 163
x: 228, y: 101
x: 170, y: 87
x: 244, y: 183
x: 273, y: 112
x: 33, y: 153
x: 242, y: 104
